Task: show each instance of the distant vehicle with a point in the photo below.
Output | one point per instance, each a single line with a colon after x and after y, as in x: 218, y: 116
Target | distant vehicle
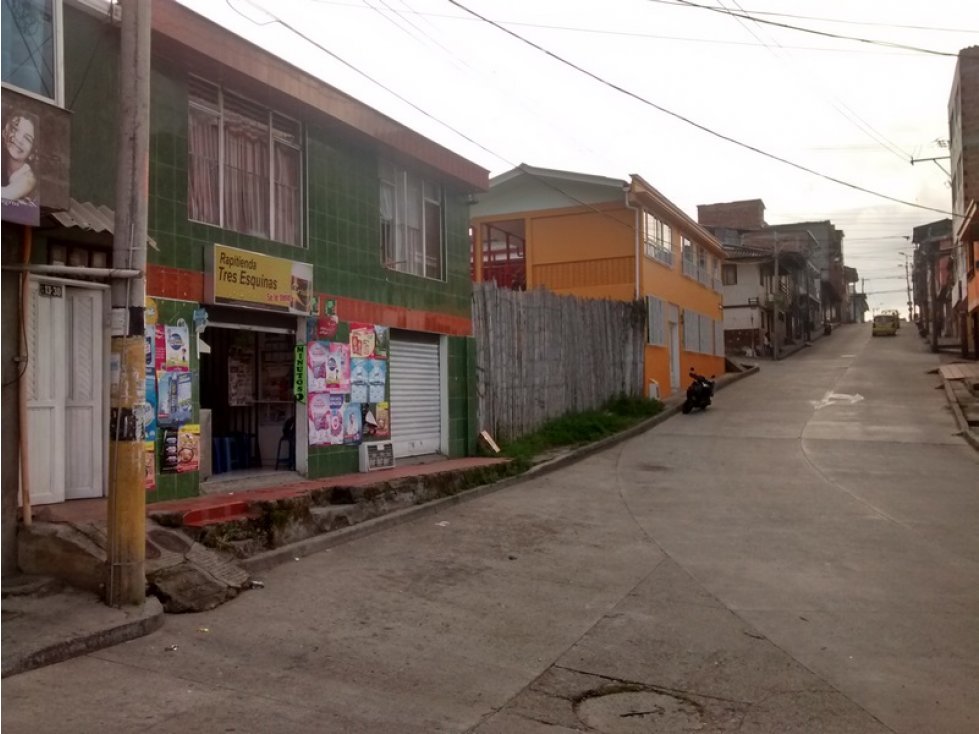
x: 886, y: 324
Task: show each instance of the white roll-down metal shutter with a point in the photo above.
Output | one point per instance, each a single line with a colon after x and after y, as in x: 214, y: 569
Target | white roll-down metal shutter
x: 416, y: 390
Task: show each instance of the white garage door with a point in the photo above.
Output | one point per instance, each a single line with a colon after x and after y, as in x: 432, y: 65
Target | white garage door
x: 416, y: 390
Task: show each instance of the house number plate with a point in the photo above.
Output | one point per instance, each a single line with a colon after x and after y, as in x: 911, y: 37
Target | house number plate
x: 51, y: 290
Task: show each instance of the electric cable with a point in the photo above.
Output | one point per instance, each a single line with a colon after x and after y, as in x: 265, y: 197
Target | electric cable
x: 827, y: 34
x: 688, y: 121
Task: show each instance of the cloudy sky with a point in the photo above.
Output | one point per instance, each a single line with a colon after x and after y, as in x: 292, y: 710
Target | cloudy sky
x: 677, y: 93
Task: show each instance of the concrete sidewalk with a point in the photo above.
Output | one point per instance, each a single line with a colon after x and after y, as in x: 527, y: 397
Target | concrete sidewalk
x: 960, y: 380
x: 46, y: 622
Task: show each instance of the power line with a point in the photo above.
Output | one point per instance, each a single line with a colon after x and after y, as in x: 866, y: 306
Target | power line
x: 522, y: 167
x: 847, y: 22
x: 838, y: 104
x: 827, y: 34
x: 687, y: 120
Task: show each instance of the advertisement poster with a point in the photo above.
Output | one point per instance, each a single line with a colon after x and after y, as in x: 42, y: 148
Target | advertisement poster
x: 317, y: 359
x: 177, y: 347
x: 318, y: 412
x: 149, y: 466
x: 330, y: 320
x: 188, y: 447
x: 382, y: 412
x: 149, y: 408
x: 174, y: 398
x: 382, y: 342
x: 376, y: 422
x: 338, y: 368
x: 361, y: 340
x: 336, y: 419
x: 351, y: 423
x: 359, y: 386
x: 21, y: 174
x: 168, y: 460
x: 160, y: 347
x: 377, y: 377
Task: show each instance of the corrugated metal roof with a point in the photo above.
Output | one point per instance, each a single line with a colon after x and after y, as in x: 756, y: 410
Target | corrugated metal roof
x: 89, y: 217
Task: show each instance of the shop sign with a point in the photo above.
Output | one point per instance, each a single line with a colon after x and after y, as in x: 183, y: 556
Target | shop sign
x: 299, y: 374
x: 245, y: 278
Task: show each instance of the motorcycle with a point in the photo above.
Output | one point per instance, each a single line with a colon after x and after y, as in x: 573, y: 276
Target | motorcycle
x: 699, y: 393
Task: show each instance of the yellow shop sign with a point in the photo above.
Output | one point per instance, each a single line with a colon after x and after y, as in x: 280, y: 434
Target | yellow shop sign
x: 248, y: 278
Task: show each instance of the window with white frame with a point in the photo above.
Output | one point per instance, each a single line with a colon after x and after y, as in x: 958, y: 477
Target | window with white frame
x: 658, y: 239
x: 244, y: 165
x: 411, y: 223
x: 689, y: 257
x: 31, y: 50
x: 656, y: 313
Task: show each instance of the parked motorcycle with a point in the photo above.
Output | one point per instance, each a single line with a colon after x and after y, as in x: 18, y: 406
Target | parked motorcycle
x: 699, y: 393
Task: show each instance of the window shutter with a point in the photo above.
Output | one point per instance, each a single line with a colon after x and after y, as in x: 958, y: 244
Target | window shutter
x: 656, y: 329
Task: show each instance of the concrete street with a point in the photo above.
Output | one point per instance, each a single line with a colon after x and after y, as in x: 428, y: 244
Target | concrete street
x: 803, y: 557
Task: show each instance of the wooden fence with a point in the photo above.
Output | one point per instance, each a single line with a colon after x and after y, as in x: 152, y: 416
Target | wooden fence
x: 541, y: 355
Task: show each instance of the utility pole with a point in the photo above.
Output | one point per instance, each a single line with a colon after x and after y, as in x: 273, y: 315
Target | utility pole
x: 126, y: 582
x: 932, y: 296
x: 907, y: 278
x: 777, y: 288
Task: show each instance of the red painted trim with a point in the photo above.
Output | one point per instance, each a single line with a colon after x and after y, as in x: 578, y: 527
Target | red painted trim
x: 188, y: 285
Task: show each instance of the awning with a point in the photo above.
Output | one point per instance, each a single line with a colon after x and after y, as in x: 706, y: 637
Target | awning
x: 88, y: 217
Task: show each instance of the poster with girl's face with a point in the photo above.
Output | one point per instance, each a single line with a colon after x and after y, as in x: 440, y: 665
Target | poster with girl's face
x: 21, y: 176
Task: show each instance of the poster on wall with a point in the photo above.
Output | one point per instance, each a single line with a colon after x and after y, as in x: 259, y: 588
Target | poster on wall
x: 361, y: 341
x: 318, y: 412
x: 177, y: 346
x: 382, y: 342
x: 188, y: 447
x: 352, y: 418
x: 359, y: 386
x: 338, y: 368
x: 149, y: 408
x: 376, y: 421
x: 317, y: 358
x: 377, y: 377
x: 168, y: 459
x: 21, y: 175
x: 149, y: 465
x: 175, y: 397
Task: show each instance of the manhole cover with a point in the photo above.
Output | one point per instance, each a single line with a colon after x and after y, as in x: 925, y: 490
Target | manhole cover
x: 641, y: 712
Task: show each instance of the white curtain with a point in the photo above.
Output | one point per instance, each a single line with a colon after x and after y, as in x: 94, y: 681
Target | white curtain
x: 203, y: 186
x: 246, y: 176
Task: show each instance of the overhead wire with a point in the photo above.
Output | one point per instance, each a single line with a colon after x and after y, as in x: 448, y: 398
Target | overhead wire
x: 801, y: 29
x: 839, y: 105
x: 839, y: 20
x: 687, y: 120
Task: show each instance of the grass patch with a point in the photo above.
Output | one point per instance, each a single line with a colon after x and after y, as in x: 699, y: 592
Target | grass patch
x: 581, y: 428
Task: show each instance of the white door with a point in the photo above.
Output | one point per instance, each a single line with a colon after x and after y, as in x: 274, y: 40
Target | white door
x: 674, y: 321
x: 64, y: 394
x: 416, y: 394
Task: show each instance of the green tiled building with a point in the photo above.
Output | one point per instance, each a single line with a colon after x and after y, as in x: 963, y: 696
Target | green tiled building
x: 338, y: 223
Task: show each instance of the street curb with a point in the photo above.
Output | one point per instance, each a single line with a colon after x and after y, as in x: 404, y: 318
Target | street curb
x: 966, y: 430
x: 149, y: 620
x: 300, y: 549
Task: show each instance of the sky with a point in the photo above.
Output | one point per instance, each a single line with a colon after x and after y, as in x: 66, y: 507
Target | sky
x: 675, y: 93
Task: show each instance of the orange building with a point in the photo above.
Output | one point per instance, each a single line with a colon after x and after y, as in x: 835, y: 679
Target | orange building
x: 599, y: 237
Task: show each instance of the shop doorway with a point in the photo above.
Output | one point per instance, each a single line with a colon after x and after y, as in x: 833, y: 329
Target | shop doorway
x: 248, y: 413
